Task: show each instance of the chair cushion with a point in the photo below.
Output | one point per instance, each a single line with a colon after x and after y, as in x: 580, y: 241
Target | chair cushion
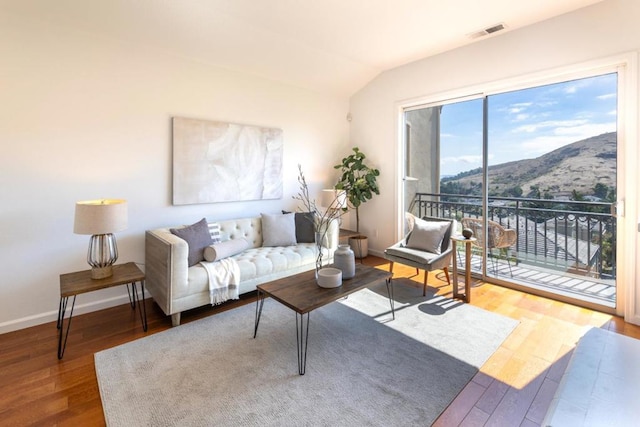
x: 428, y: 235
x: 415, y: 255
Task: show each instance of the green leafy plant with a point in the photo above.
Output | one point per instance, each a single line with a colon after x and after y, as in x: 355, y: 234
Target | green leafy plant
x: 358, y: 180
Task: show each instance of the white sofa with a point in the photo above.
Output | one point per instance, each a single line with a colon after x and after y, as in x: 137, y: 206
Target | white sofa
x: 176, y: 287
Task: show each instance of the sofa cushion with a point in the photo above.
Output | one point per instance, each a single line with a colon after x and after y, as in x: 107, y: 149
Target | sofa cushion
x: 278, y: 230
x: 222, y: 250
x: 428, y: 235
x: 264, y: 262
x: 197, y: 237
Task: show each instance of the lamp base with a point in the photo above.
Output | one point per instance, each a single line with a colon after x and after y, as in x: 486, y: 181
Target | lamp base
x: 101, y: 272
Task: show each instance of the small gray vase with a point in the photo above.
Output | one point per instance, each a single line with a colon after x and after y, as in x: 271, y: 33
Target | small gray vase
x: 344, y: 259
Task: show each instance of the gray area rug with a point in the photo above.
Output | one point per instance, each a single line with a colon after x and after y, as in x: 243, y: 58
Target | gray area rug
x: 362, y: 367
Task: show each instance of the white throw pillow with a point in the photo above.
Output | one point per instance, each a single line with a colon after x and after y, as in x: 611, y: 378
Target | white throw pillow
x: 427, y: 235
x: 225, y: 249
x: 278, y: 230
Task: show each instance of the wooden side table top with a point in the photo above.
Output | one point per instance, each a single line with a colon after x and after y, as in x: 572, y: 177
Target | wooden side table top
x: 463, y: 239
x: 302, y: 294
x: 345, y: 234
x: 80, y: 282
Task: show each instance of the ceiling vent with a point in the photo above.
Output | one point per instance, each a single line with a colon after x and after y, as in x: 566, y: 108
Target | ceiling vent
x: 487, y: 31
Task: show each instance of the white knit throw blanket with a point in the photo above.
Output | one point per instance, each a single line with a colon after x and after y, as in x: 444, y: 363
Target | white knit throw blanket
x: 224, y: 277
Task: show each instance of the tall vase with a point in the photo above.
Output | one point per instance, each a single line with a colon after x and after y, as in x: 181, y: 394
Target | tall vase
x: 344, y: 259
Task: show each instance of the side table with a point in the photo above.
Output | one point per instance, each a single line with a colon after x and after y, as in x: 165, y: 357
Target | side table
x: 345, y: 235
x: 467, y: 267
x: 80, y: 282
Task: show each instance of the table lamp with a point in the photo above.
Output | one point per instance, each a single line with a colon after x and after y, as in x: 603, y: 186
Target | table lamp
x: 101, y: 218
x: 333, y: 199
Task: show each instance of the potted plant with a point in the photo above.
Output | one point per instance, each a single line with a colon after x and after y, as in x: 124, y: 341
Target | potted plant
x: 359, y: 181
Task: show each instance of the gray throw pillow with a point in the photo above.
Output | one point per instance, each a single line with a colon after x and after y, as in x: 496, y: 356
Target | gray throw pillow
x: 427, y: 235
x: 197, y: 237
x: 305, y: 230
x: 278, y: 230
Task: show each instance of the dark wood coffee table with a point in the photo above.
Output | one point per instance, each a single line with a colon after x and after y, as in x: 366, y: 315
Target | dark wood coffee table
x: 301, y: 294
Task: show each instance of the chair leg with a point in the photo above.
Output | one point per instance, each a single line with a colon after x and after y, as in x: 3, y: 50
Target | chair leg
x: 424, y: 286
x: 417, y: 271
x: 391, y: 267
x: 446, y: 273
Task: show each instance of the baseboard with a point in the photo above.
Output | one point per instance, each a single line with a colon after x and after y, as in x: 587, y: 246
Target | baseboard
x: 376, y: 252
x: 52, y: 316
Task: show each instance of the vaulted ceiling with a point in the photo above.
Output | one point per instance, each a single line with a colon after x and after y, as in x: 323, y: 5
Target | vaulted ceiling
x: 335, y: 46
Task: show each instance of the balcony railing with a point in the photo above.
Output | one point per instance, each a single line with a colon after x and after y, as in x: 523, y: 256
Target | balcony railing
x: 569, y: 236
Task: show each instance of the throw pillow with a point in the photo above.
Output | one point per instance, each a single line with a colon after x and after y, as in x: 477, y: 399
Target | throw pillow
x: 214, y: 230
x: 197, y: 237
x: 427, y: 235
x: 222, y: 250
x: 278, y: 230
x: 305, y: 230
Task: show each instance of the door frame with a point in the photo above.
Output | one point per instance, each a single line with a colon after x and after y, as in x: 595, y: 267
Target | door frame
x: 628, y: 220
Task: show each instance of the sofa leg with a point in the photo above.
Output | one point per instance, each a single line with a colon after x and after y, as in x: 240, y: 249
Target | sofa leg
x: 424, y: 287
x: 175, y: 319
x: 446, y: 273
x: 391, y: 267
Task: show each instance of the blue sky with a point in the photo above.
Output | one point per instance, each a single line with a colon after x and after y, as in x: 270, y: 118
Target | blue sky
x: 527, y: 123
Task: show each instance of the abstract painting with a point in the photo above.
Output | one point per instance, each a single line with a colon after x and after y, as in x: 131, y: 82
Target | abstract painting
x: 225, y: 162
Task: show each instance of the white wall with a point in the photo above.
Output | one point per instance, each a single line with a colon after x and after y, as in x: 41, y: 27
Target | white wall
x: 605, y: 29
x: 83, y: 117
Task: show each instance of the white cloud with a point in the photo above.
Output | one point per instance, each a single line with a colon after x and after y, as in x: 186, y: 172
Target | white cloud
x: 562, y: 136
x: 587, y: 130
x: 607, y: 96
x: 468, y: 159
x: 574, y: 86
x: 535, y: 127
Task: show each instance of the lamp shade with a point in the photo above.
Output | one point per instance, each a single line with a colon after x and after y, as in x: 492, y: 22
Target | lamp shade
x: 334, y: 199
x: 102, y: 216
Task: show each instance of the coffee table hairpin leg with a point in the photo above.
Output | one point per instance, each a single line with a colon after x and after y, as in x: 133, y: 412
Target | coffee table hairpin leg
x: 302, y: 340
x: 391, y: 300
x: 259, y: 304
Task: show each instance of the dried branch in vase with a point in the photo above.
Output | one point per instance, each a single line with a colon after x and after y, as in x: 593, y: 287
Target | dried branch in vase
x: 322, y: 219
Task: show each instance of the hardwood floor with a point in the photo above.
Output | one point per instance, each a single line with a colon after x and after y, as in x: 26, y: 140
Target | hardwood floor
x: 513, y: 388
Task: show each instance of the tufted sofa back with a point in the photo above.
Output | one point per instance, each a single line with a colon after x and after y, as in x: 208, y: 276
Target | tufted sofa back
x: 249, y: 228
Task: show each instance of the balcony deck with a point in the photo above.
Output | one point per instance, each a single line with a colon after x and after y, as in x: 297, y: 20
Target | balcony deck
x: 601, y: 291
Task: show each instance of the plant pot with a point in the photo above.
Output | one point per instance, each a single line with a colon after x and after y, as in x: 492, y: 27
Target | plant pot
x: 359, y: 246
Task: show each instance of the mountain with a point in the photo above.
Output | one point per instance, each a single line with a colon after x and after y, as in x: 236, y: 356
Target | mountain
x: 578, y: 166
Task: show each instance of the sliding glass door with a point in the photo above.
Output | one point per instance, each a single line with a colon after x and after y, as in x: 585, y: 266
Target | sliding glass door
x: 533, y: 172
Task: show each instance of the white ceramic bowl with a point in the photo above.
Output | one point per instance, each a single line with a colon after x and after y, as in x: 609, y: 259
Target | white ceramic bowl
x: 329, y: 277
